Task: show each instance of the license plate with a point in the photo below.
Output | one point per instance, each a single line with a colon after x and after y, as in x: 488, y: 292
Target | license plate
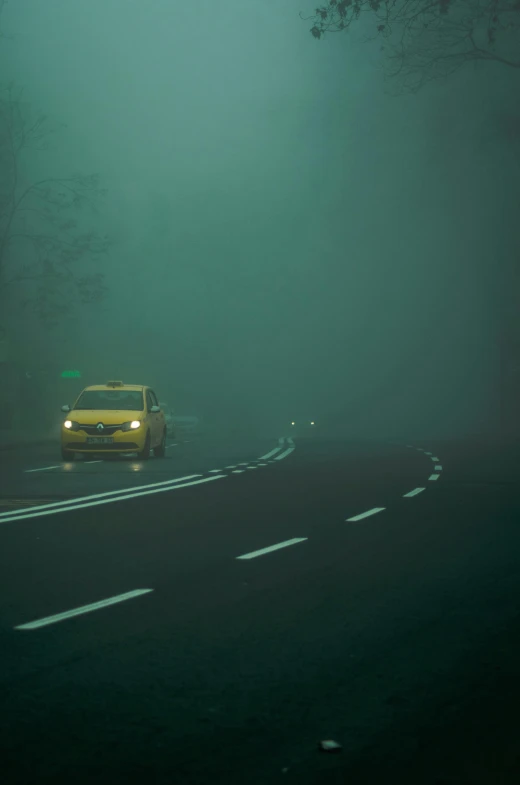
x: 100, y: 439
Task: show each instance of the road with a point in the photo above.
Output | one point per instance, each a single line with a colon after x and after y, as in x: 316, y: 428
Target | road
x: 211, y: 617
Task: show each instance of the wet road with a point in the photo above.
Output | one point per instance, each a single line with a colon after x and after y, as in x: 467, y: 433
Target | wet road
x: 211, y: 616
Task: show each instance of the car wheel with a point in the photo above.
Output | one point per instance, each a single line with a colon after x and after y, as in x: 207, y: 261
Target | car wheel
x: 67, y: 455
x: 144, y: 454
x: 160, y: 450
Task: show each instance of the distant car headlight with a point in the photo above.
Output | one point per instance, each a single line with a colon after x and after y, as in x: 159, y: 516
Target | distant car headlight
x: 131, y: 426
x: 71, y: 425
x: 312, y: 422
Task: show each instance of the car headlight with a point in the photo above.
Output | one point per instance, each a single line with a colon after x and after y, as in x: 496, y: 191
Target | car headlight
x: 131, y: 425
x: 71, y: 425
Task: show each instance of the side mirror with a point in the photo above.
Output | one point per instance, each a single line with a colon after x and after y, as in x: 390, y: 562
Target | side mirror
x: 155, y: 409
x: 65, y: 408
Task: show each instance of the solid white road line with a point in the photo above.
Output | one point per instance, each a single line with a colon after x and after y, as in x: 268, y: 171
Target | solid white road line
x: 366, y: 514
x: 284, y: 454
x: 43, y: 469
x: 438, y: 468
x: 414, y: 492
x: 269, y: 454
x: 33, y: 625
x: 276, y: 547
x: 31, y: 514
x: 434, y: 476
x: 105, y: 494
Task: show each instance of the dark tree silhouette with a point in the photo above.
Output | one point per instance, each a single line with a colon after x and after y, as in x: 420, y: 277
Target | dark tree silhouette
x: 430, y: 39
x: 46, y: 257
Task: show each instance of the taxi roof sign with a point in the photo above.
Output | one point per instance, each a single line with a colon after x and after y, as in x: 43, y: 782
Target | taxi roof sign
x: 115, y: 384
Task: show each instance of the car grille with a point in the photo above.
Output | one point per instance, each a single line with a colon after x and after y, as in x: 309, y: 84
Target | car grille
x: 92, y: 430
x: 118, y: 446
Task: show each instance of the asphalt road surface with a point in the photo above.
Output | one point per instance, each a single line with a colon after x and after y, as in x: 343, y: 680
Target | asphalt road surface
x: 212, y: 616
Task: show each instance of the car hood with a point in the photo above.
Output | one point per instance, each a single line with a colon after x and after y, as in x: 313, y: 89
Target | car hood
x: 106, y: 416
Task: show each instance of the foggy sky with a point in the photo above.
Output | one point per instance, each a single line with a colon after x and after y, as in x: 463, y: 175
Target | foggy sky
x: 289, y: 239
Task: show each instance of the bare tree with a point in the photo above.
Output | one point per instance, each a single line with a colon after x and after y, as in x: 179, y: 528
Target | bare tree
x: 43, y: 250
x: 430, y: 39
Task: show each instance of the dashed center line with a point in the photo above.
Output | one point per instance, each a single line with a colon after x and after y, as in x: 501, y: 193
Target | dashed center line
x: 366, y: 514
x: 271, y: 548
x: 33, y: 625
x: 438, y: 468
x: 238, y: 471
x: 434, y: 476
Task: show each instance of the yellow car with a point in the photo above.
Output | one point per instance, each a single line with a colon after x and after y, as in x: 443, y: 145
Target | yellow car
x: 114, y: 418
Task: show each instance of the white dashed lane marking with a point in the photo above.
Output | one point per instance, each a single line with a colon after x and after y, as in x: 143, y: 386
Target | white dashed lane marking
x: 33, y: 625
x: 434, y: 476
x: 271, y: 548
x: 438, y: 468
x: 414, y: 492
x: 366, y: 514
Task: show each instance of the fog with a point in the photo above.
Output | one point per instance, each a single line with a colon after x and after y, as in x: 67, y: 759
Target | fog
x: 289, y: 238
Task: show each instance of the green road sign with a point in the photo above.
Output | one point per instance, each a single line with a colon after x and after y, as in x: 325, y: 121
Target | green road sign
x: 71, y: 375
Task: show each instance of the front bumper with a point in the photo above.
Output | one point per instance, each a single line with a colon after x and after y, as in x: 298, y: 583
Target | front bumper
x: 123, y: 441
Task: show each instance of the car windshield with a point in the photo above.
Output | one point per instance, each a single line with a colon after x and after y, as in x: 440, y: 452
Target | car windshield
x: 128, y: 400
